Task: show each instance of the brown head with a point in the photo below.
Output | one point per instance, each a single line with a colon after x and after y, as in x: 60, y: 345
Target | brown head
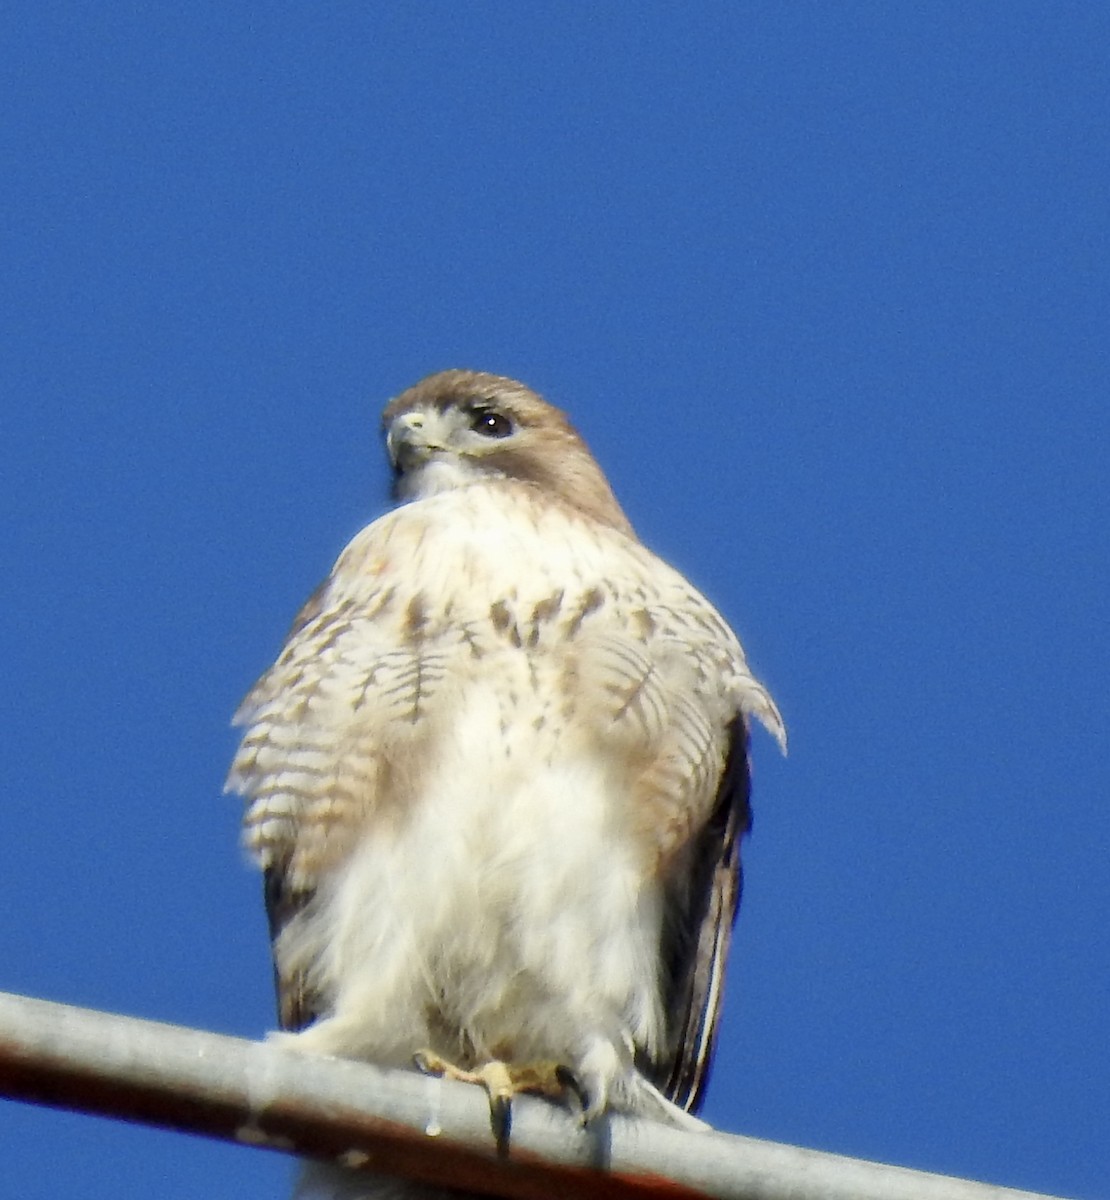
x: 456, y: 427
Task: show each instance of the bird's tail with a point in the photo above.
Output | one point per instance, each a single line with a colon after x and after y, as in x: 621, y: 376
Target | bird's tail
x: 325, y: 1181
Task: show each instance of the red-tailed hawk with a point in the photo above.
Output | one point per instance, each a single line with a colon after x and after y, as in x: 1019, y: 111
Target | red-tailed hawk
x: 498, y: 776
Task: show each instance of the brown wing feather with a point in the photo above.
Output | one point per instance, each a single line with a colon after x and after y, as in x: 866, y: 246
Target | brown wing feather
x: 296, y: 1006
x: 697, y: 938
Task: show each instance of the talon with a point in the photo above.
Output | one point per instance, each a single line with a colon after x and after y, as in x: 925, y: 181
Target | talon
x: 497, y: 1078
x: 501, y: 1121
x: 575, y: 1092
x: 502, y: 1081
x: 428, y: 1063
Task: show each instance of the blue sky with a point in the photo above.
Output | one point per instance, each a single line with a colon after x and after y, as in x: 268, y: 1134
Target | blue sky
x: 826, y: 289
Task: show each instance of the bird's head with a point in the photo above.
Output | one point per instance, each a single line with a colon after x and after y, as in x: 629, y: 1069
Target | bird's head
x: 457, y: 427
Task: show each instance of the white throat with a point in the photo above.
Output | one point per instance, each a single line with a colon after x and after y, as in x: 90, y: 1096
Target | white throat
x: 440, y: 473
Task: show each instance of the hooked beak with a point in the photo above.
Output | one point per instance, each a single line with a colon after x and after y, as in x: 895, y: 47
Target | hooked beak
x: 409, y: 441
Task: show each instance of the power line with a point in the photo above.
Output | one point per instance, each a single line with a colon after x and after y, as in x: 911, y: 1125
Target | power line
x: 402, y: 1123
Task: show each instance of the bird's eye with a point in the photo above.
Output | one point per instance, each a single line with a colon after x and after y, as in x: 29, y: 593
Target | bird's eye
x: 490, y: 423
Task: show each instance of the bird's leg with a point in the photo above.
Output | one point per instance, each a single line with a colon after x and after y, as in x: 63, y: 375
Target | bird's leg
x: 502, y: 1081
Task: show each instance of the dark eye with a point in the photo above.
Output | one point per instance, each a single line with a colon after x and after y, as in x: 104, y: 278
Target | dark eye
x: 491, y: 424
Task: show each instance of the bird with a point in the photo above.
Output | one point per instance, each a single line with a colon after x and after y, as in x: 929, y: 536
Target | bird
x: 498, y: 777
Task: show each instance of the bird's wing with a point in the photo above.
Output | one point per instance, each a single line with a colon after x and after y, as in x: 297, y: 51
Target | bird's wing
x: 346, y: 700
x: 701, y: 910
x: 296, y: 1003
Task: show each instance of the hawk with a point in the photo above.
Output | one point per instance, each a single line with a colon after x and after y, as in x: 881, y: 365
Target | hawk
x: 498, y: 776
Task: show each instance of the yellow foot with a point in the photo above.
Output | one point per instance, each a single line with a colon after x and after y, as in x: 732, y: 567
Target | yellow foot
x: 502, y: 1081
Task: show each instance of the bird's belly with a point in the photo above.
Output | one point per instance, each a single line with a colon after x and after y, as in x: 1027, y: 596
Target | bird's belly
x: 507, y: 913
